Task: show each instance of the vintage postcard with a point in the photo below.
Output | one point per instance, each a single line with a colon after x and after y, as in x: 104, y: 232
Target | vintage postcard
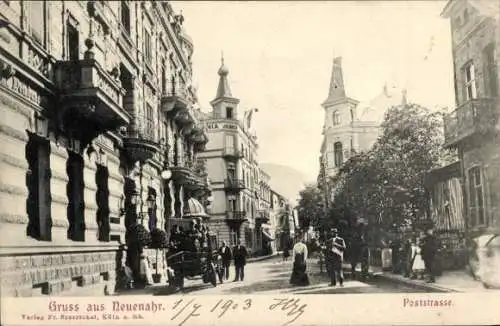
x: 249, y: 162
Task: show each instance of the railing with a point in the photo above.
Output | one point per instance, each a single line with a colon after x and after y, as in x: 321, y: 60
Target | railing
x: 231, y: 183
x: 473, y: 116
x: 236, y: 215
x: 232, y: 152
x: 144, y: 129
x: 263, y: 214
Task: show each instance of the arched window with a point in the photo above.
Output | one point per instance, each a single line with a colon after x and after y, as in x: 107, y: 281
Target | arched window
x: 338, y: 153
x: 336, y: 118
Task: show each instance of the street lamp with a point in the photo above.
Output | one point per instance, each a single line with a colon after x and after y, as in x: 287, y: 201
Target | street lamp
x: 134, y: 196
x: 151, y: 201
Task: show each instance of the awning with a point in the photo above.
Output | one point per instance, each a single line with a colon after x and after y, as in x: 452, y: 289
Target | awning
x: 267, y: 235
x: 193, y: 208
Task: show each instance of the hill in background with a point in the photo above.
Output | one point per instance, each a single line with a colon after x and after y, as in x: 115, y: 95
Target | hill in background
x: 285, y: 180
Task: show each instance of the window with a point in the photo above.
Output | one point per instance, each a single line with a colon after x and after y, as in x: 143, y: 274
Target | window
x: 229, y: 113
x: 36, y: 16
x: 470, y: 82
x: 147, y: 47
x: 233, y: 238
x: 338, y: 154
x: 476, y: 198
x: 336, y: 118
x: 490, y: 71
x: 352, y: 115
x: 163, y: 77
x: 73, y: 42
x: 149, y: 126
x: 125, y: 16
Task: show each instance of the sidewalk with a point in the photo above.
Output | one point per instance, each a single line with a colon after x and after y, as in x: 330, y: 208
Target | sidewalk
x: 450, y: 281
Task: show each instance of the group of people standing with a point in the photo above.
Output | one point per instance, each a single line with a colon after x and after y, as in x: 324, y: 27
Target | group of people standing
x: 194, y: 239
x: 239, y: 256
x: 418, y: 256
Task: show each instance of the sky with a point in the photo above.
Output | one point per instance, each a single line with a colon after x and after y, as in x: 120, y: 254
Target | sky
x: 280, y: 55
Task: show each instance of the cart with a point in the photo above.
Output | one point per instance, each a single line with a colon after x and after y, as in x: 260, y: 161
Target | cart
x: 206, y: 263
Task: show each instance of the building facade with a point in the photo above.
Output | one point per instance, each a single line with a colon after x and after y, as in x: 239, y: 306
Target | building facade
x: 98, y: 136
x: 281, y: 213
x: 349, y: 126
x: 473, y: 127
x: 232, y: 163
x: 266, y: 226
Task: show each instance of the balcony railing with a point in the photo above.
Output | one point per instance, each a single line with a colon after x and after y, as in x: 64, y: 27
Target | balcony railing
x: 232, y: 153
x: 141, y: 142
x: 477, y: 116
x: 263, y: 215
x: 174, y: 96
x: 87, y: 88
x: 234, y: 184
x: 236, y: 215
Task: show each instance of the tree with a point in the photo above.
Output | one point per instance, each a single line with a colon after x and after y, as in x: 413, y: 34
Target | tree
x: 385, y: 185
x: 310, y: 207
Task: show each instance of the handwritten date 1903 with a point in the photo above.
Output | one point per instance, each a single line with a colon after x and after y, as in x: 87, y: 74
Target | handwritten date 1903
x: 183, y: 311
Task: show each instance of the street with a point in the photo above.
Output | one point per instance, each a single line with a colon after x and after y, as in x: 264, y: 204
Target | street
x: 272, y: 276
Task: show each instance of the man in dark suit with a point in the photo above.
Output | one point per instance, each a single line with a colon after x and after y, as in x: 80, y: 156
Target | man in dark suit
x: 430, y: 248
x: 240, y: 258
x: 225, y: 253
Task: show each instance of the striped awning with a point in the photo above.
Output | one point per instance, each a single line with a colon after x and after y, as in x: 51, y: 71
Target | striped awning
x: 193, y: 208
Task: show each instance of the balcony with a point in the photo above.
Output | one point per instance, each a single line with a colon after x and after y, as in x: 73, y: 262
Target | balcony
x: 236, y: 215
x: 474, y: 117
x: 263, y: 216
x: 141, y: 142
x: 234, y: 184
x: 88, y: 91
x: 232, y: 153
x: 174, y: 98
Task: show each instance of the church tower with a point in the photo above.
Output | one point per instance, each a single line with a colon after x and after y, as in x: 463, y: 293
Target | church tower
x: 224, y: 105
x: 340, y: 139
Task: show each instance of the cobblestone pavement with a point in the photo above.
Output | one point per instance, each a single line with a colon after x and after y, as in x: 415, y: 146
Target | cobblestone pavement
x: 272, y: 277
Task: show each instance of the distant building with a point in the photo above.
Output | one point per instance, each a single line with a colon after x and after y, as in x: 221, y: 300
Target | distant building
x: 231, y: 161
x: 349, y: 127
x: 281, y: 213
x: 473, y: 128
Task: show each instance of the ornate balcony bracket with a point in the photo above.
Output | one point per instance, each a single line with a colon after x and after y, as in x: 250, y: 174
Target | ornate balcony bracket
x: 140, y: 149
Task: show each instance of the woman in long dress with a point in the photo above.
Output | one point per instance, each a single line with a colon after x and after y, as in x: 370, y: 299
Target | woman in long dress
x: 418, y: 267
x: 299, y: 275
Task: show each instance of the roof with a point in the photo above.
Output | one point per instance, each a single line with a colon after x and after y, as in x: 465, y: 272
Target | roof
x: 193, y: 208
x: 374, y: 110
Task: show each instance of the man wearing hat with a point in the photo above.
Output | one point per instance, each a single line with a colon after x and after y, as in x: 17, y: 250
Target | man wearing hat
x: 335, y: 249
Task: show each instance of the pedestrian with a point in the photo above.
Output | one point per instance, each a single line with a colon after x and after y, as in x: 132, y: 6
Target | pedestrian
x: 429, y: 251
x: 407, y: 257
x: 239, y: 256
x: 336, y: 248
x: 417, y: 263
x: 299, y: 275
x: 225, y: 253
x: 145, y: 272
x: 354, y: 252
x: 395, y: 246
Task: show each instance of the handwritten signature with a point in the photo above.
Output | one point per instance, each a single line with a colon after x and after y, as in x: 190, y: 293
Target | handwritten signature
x: 185, y: 310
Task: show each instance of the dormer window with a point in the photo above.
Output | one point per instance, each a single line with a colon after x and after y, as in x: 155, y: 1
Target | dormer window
x: 229, y: 113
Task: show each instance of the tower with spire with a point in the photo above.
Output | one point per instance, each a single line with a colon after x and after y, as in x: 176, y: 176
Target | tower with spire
x: 349, y: 127
x: 224, y: 105
x: 340, y: 139
x: 232, y: 164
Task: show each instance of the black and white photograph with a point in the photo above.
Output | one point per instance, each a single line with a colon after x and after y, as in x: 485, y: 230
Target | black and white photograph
x: 178, y: 150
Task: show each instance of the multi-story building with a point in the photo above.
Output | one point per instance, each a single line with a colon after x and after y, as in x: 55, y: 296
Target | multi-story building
x: 266, y: 237
x: 95, y: 109
x: 473, y: 127
x: 281, y: 213
x: 348, y: 126
x: 231, y: 161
